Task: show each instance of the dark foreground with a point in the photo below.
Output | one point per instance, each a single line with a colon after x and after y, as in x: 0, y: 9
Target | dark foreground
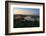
x: 22, y: 24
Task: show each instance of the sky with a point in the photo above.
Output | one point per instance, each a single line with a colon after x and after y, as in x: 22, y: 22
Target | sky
x: 27, y: 11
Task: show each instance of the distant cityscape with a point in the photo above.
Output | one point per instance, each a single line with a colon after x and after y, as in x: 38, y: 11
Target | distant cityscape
x: 26, y: 17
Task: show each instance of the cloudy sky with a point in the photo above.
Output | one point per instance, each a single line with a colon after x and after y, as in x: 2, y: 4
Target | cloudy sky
x: 26, y: 11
